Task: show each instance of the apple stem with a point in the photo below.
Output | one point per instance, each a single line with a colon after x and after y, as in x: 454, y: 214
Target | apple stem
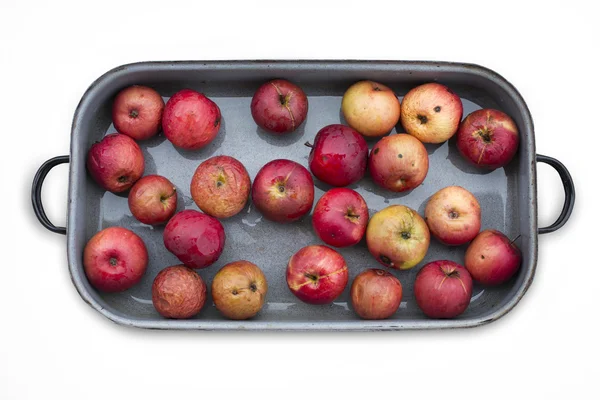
x: 515, y: 239
x: 308, y: 144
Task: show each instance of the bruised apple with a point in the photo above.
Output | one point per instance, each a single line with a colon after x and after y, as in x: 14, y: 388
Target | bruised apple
x: 492, y: 258
x: 375, y: 294
x: 279, y: 106
x: 178, y: 292
x: 153, y: 200
x: 137, y: 112
x: 220, y: 186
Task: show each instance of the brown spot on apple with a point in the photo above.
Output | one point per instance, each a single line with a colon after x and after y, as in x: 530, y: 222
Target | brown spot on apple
x: 422, y: 119
x: 437, y: 109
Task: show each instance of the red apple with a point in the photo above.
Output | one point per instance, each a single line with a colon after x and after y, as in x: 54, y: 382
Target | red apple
x: 178, y: 292
x: 431, y: 113
x: 339, y: 155
x: 398, y: 237
x: 371, y: 108
x: 443, y: 289
x: 279, y: 106
x: 375, y: 294
x: 340, y: 217
x: 116, y: 162
x: 239, y: 290
x: 191, y: 120
x: 488, y: 138
x: 115, y: 259
x: 220, y: 186
x: 492, y: 258
x: 317, y: 274
x: 137, y: 112
x: 153, y: 200
x: 283, y: 191
x: 196, y: 239
x: 453, y: 215
x: 399, y: 163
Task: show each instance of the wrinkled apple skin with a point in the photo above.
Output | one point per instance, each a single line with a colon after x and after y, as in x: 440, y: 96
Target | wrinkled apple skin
x: 431, y: 113
x: 196, y: 239
x: 191, y: 120
x: 399, y: 163
x: 178, y: 292
x: 115, y: 163
x: 153, y: 200
x: 453, y: 215
x: 371, y: 108
x: 375, y: 294
x: 398, y: 237
x: 239, y: 290
x: 488, y: 138
x: 317, y: 274
x: 340, y: 217
x: 137, y: 112
x: 220, y: 186
x: 115, y: 259
x: 339, y: 155
x: 283, y: 191
x: 443, y: 289
x: 279, y: 106
x: 492, y: 258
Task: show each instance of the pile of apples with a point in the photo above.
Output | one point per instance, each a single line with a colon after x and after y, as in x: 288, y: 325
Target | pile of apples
x: 116, y: 258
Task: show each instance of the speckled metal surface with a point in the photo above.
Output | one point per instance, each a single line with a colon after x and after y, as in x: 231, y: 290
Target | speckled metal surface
x: 507, y: 195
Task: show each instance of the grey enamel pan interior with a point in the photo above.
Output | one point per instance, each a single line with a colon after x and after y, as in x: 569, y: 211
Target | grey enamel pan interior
x: 507, y: 195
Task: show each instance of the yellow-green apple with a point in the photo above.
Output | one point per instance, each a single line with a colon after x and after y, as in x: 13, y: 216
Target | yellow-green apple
x: 191, y: 120
x: 220, y: 186
x: 153, y: 200
x: 196, y: 239
x: 283, y: 191
x: 137, y: 112
x: 239, y: 290
x: 492, y: 258
x: 488, y: 138
x: 279, y: 106
x: 443, y: 289
x: 115, y: 259
x: 338, y: 156
x: 317, y: 274
x: 399, y: 163
x: 178, y: 292
x: 115, y: 163
x: 340, y: 217
x: 398, y: 237
x: 431, y: 113
x: 371, y: 108
x: 453, y: 215
x: 375, y: 294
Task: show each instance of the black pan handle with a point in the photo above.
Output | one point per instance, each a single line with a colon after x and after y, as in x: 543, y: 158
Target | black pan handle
x: 36, y: 193
x: 569, y: 187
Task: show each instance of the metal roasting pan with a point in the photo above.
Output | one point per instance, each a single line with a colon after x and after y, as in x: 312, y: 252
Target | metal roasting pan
x: 508, y: 196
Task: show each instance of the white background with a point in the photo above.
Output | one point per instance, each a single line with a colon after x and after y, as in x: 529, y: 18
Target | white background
x: 52, y: 345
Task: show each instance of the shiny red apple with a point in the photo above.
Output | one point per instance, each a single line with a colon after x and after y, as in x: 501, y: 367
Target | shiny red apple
x: 137, y: 112
x: 153, y: 200
x: 492, y: 258
x: 279, y: 106
x: 375, y: 294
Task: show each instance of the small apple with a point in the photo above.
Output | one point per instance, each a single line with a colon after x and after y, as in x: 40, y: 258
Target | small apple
x: 239, y: 290
x: 371, y: 108
x: 453, y: 215
x: 443, y: 289
x: 431, y: 113
x: 178, y: 292
x: 488, y: 138
x: 196, y: 239
x: 279, y: 106
x: 115, y: 163
x: 137, y: 112
x: 191, y: 120
x: 283, y: 191
x: 375, y: 294
x: 115, y: 259
x: 221, y: 186
x: 398, y: 237
x: 399, y: 163
x: 153, y: 200
x: 340, y: 217
x: 492, y: 258
x: 339, y: 155
x: 317, y: 274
